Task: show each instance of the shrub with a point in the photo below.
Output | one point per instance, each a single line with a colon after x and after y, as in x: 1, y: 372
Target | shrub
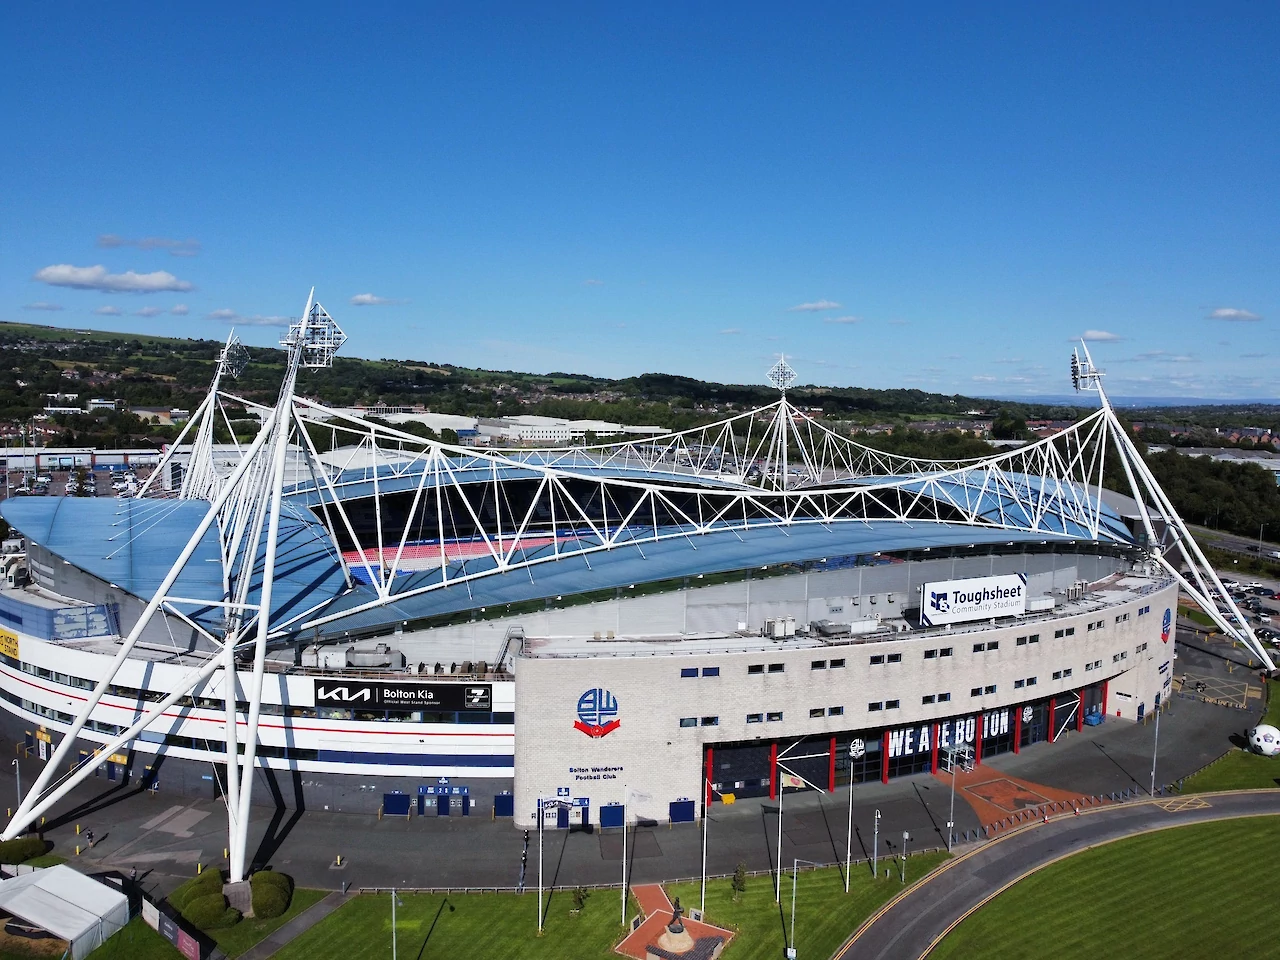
x: 281, y: 881
x: 209, y: 911
x: 268, y: 901
x: 21, y: 849
x: 202, y: 884
x: 739, y: 882
x: 579, y: 899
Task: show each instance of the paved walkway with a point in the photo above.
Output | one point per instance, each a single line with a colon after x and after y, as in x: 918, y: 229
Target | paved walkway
x: 296, y: 927
x: 911, y: 924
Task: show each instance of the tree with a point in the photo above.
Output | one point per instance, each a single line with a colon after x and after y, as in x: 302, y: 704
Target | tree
x: 739, y: 881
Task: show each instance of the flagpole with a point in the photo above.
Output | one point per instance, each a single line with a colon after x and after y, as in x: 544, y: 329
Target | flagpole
x: 777, y: 890
x: 624, y: 854
x: 706, y: 796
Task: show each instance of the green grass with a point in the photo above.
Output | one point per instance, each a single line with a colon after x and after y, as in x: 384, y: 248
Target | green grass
x: 136, y: 941
x: 825, y: 914
x: 502, y: 926
x: 495, y: 926
x: 1197, y: 616
x: 1181, y: 892
x: 46, y: 860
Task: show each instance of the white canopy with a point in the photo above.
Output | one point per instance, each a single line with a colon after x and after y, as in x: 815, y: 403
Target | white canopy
x: 69, y: 905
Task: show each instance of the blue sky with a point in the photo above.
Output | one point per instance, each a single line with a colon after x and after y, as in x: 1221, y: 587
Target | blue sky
x: 892, y: 195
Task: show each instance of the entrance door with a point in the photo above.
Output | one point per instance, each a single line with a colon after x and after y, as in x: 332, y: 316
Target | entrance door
x: 442, y: 806
x: 562, y: 817
x: 1065, y: 711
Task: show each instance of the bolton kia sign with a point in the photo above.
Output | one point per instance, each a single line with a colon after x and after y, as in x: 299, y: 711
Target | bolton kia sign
x: 977, y: 598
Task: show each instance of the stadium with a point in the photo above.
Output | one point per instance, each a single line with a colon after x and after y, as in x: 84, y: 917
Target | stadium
x: 371, y: 619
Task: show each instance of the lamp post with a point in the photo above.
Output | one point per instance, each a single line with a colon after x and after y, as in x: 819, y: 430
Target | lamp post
x: 706, y: 810
x: 542, y: 817
x: 1155, y: 748
x: 17, y: 772
x: 395, y: 900
x: 875, y: 848
x: 905, y: 837
x: 777, y: 888
x: 795, y: 873
x: 857, y: 750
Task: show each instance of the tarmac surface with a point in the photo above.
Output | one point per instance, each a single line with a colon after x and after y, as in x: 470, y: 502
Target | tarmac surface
x: 911, y: 924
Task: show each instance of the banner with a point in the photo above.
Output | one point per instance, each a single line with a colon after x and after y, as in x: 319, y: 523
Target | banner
x: 976, y: 598
x: 150, y: 915
x: 417, y: 696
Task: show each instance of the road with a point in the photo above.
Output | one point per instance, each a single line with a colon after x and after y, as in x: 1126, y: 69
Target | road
x: 910, y: 925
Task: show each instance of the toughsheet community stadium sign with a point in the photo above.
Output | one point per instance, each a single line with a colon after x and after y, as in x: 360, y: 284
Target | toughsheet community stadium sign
x: 977, y: 598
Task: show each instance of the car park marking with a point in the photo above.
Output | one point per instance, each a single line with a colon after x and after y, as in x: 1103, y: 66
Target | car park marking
x: 1179, y: 804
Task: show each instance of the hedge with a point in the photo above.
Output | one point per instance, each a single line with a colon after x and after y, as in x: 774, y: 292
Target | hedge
x: 201, y: 885
x: 209, y: 911
x: 22, y: 849
x: 269, y: 901
x: 269, y: 877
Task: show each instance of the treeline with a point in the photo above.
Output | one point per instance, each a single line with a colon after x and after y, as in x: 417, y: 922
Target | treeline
x: 1237, y: 497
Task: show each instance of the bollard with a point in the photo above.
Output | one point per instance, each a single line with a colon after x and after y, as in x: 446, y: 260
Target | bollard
x: 199, y: 867
x: 77, y: 829
x: 77, y: 849
x: 225, y: 853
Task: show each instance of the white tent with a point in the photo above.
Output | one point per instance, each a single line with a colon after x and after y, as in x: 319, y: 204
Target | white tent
x: 68, y: 904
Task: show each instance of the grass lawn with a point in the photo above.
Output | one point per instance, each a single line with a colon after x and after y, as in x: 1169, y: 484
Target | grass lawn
x: 46, y: 860
x: 825, y: 914
x: 1181, y: 892
x: 136, y: 941
x: 495, y: 926
x: 502, y: 926
x: 1197, y: 616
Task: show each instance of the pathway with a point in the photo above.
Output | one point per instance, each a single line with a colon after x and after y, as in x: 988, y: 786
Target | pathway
x: 296, y: 927
x: 658, y: 911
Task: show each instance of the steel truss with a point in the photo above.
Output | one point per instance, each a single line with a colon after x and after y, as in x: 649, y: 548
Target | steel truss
x: 461, y: 515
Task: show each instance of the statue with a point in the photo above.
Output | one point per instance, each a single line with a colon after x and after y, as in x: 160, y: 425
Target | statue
x: 675, y: 926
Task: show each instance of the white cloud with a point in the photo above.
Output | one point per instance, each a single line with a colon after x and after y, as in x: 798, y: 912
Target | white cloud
x: 179, y: 309
x: 1164, y: 356
x: 148, y: 312
x: 1232, y: 313
x: 97, y: 278
x: 108, y: 311
x: 593, y: 283
x: 1100, y: 336
x: 1252, y: 356
x: 849, y: 319
x: 177, y: 248
x: 42, y: 305
x: 815, y: 307
x: 730, y: 331
x: 370, y: 300
x: 1008, y: 360
x: 984, y: 378
x: 230, y: 316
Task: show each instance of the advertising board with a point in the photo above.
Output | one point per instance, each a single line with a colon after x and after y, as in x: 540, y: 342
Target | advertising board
x: 976, y: 598
x: 395, y: 693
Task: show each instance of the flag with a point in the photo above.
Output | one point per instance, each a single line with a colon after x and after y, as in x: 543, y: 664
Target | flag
x: 791, y: 780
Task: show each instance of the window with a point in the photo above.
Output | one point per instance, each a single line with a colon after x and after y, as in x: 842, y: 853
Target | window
x: 877, y: 659
x: 756, y: 668
x: 816, y: 712
x: 993, y: 645
x: 892, y: 704
x: 1057, y: 674
x: 777, y: 667
x: 1143, y: 611
x: 1120, y: 656
x: 1031, y: 681
x: 944, y: 697
x: 711, y: 671
x: 1122, y: 617
x: 875, y: 705
x: 895, y: 658
x: 1022, y: 641
x: 944, y: 652
x: 975, y: 692
x: 1066, y: 672
x: 755, y: 718
x: 931, y: 654
x: 837, y: 664
x: 1097, y: 625
x: 1141, y: 647
x: 989, y: 689
x: 775, y: 715
x: 835, y: 711
x: 818, y: 665
x: 927, y: 698
x: 1019, y: 684
x: 979, y: 647
x: 688, y: 671
x: 1059, y: 634
x: 1034, y: 638
x: 688, y: 721
x: 711, y: 721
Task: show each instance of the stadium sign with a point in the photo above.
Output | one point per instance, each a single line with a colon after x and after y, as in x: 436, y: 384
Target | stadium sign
x: 597, y: 713
x: 416, y: 696
x: 976, y: 598
x: 956, y: 732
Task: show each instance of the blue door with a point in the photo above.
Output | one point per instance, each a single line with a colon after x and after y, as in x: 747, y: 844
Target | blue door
x: 562, y: 817
x: 442, y: 806
x: 466, y: 805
